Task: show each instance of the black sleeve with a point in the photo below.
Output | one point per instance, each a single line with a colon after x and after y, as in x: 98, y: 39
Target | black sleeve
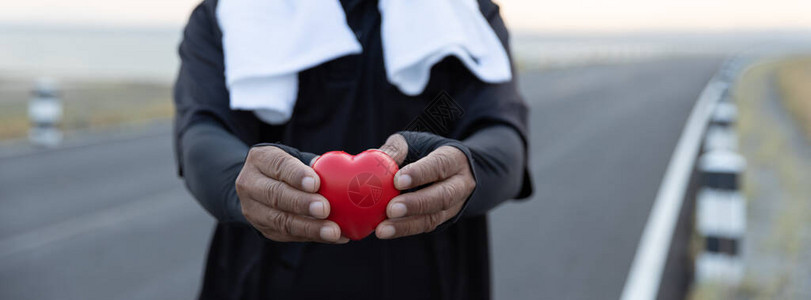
x: 496, y: 157
x: 209, y: 154
x: 485, y: 105
x: 200, y: 91
x: 213, y: 159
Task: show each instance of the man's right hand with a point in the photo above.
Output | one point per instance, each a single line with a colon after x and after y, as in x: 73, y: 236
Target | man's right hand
x: 279, y: 198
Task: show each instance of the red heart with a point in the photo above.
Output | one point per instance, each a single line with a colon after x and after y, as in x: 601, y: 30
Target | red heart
x: 358, y: 189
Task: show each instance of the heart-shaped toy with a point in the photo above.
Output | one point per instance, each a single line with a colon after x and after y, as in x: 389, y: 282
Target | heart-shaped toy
x: 358, y: 189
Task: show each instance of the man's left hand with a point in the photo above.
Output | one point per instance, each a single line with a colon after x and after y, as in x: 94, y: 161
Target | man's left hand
x: 448, y: 181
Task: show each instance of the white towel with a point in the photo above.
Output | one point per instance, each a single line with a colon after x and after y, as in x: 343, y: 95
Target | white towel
x: 267, y: 42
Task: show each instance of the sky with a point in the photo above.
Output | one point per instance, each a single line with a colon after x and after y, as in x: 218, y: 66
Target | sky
x: 524, y: 15
x: 651, y: 15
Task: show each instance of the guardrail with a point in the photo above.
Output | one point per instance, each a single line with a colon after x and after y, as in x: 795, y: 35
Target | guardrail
x: 701, y: 182
x: 721, y: 207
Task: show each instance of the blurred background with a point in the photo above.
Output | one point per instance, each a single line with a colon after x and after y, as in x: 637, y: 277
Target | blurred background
x: 91, y: 207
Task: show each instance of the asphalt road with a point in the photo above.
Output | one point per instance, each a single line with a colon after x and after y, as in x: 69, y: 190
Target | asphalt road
x: 105, y: 221
x: 110, y: 220
x: 601, y: 140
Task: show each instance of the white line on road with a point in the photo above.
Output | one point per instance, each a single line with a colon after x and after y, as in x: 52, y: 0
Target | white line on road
x: 645, y: 275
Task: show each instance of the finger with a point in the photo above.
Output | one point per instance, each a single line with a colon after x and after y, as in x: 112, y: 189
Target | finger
x: 442, y: 163
x: 395, y: 228
x: 285, y: 227
x: 255, y: 212
x: 307, y: 228
x: 439, y: 196
x: 396, y: 147
x: 278, y: 195
x: 277, y: 164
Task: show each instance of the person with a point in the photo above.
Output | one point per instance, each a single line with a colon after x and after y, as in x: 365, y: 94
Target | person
x: 461, y: 142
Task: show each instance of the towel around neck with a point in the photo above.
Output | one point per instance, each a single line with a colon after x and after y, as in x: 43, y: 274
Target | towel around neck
x: 266, y: 44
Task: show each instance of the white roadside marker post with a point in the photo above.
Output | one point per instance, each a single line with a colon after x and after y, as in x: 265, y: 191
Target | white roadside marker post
x: 721, y: 207
x: 45, y: 114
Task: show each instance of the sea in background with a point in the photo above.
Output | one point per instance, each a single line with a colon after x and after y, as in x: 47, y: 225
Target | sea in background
x: 107, y: 78
x: 150, y: 54
x: 88, y: 53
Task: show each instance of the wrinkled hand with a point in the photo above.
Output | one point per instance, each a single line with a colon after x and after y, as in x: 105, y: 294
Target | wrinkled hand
x: 278, y: 197
x: 451, y: 181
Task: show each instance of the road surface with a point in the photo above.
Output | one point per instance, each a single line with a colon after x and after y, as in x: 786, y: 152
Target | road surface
x: 601, y: 140
x: 110, y: 220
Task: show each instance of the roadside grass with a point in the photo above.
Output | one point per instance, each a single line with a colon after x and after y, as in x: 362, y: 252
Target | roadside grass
x: 90, y: 105
x: 775, y: 182
x: 794, y: 84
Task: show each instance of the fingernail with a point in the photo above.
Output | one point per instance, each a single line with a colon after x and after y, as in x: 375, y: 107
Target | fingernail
x: 386, y: 231
x: 403, y: 181
x: 308, y: 183
x: 397, y: 210
x: 329, y: 233
x: 318, y: 210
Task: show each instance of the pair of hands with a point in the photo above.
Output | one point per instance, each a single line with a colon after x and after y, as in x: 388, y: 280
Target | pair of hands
x: 279, y: 194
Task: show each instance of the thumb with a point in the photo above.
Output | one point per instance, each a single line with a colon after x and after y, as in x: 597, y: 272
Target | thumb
x: 312, y: 161
x: 396, y: 147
